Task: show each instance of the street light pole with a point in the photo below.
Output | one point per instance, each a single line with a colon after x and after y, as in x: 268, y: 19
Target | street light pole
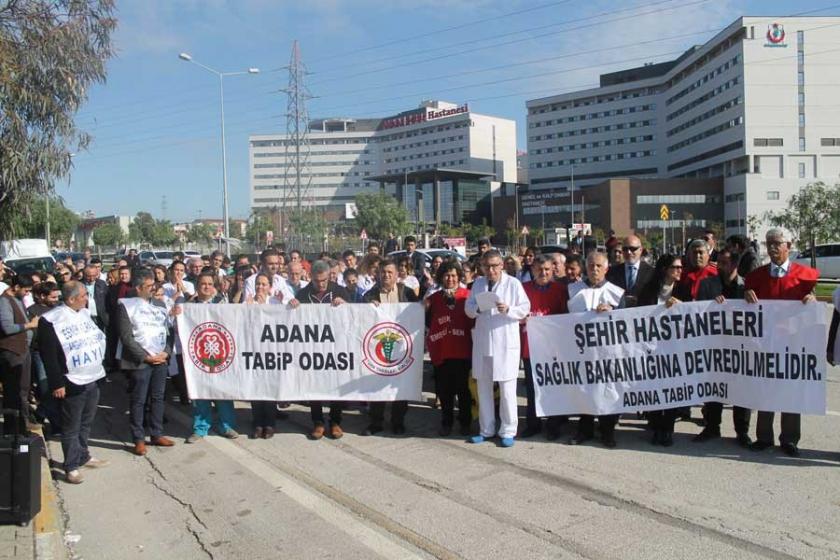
x: 188, y: 58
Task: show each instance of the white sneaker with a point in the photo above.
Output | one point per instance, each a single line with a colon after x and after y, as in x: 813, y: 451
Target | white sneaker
x: 94, y: 463
x: 74, y: 477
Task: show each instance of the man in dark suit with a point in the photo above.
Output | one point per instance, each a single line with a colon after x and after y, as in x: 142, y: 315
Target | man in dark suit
x: 388, y: 291
x: 97, y: 291
x: 633, y: 273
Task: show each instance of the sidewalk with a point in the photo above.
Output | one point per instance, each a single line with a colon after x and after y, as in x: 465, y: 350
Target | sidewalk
x: 43, y: 538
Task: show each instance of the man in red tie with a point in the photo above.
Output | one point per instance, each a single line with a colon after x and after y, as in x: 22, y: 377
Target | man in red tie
x: 781, y: 279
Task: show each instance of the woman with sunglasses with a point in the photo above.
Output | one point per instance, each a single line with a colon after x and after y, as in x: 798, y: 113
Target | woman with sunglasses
x: 660, y: 291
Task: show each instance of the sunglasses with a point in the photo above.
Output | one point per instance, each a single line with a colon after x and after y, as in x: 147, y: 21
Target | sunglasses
x: 630, y: 249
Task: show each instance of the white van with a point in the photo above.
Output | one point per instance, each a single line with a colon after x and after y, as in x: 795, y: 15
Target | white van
x: 828, y: 259
x: 25, y: 256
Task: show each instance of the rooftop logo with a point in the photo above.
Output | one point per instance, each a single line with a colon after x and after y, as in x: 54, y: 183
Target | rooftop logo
x: 775, y: 35
x: 422, y: 116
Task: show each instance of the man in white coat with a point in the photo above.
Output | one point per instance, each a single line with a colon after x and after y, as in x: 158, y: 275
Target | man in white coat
x: 497, y: 302
x: 595, y: 293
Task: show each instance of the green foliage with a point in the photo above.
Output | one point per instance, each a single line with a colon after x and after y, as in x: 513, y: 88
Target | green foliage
x: 145, y: 229
x: 31, y: 221
x: 308, y: 224
x: 812, y: 215
x: 108, y: 235
x: 380, y: 214
x: 200, y: 233
x: 258, y: 226
x: 51, y: 52
x: 475, y: 232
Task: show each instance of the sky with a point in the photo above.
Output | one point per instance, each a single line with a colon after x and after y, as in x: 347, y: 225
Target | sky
x: 156, y: 120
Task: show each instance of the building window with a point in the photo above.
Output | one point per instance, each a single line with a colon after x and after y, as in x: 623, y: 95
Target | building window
x: 801, y: 170
x: 772, y: 195
x: 801, y: 119
x: 801, y: 78
x: 801, y: 144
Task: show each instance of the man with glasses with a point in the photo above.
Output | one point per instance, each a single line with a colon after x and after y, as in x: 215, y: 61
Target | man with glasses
x: 496, y: 345
x: 633, y: 274
x: 780, y: 279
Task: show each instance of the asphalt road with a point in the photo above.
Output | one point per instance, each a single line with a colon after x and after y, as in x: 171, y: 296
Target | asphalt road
x: 422, y: 496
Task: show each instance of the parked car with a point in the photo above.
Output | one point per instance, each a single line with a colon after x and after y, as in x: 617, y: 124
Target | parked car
x: 828, y: 259
x: 429, y: 254
x: 154, y: 256
x: 548, y: 249
x: 25, y: 256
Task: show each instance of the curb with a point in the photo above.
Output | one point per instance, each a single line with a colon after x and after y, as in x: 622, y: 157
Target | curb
x: 48, y: 525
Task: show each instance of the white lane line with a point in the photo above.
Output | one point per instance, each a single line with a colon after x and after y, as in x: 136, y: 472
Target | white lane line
x: 314, y: 502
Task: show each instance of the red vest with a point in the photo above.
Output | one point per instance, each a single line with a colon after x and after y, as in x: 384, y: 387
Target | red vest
x: 690, y: 280
x: 552, y: 299
x: 796, y: 284
x: 450, y: 330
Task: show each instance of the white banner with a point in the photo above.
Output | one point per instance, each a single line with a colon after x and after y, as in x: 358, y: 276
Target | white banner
x: 768, y: 356
x: 355, y: 352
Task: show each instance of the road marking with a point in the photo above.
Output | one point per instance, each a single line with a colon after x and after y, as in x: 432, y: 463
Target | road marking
x: 321, y: 506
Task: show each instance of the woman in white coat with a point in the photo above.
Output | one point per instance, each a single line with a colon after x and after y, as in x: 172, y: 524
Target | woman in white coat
x: 497, y: 302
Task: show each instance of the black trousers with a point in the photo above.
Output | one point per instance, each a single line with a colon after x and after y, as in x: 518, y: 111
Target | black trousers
x: 663, y: 420
x: 376, y: 411
x: 15, y: 374
x: 316, y: 410
x: 713, y: 413
x: 791, y: 427
x: 606, y: 424
x: 263, y: 414
x: 452, y: 381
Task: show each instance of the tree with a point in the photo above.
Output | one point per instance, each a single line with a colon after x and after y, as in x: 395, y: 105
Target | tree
x: 380, y: 214
x: 32, y: 222
x: 163, y: 234
x: 475, y: 232
x: 200, y: 233
x: 141, y: 230
x: 259, y: 224
x: 308, y: 224
x: 812, y: 215
x: 51, y: 52
x: 108, y: 235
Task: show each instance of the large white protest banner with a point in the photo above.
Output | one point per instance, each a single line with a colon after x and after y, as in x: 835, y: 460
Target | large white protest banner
x: 315, y: 352
x: 767, y: 356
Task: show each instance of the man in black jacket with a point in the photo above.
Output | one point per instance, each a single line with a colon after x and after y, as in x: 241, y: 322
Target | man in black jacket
x: 388, y: 291
x: 321, y: 290
x: 633, y: 273
x: 73, y: 364
x: 146, y: 339
x: 720, y: 288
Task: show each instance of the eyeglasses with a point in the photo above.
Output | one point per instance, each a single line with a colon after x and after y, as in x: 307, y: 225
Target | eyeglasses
x: 630, y: 249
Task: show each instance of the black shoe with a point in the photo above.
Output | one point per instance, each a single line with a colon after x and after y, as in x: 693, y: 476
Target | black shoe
x: 608, y: 441
x: 579, y: 438
x: 667, y: 439
x: 371, y: 430
x: 743, y: 440
x: 398, y: 430
x: 706, y: 435
x: 445, y: 431
x: 531, y: 431
x: 759, y: 445
x: 790, y: 450
x: 553, y: 433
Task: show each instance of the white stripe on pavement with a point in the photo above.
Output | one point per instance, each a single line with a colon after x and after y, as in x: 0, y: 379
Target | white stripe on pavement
x: 314, y: 502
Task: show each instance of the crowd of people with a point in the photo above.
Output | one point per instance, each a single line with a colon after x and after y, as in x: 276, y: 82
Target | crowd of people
x: 63, y: 334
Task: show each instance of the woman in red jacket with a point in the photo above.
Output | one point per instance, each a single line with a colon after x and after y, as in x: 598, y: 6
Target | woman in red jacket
x: 450, y: 346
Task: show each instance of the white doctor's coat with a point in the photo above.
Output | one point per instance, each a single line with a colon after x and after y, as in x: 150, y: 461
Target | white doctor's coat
x: 496, y: 335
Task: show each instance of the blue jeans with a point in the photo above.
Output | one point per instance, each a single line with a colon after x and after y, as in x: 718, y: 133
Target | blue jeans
x: 148, y: 381
x: 78, y: 411
x: 203, y: 416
